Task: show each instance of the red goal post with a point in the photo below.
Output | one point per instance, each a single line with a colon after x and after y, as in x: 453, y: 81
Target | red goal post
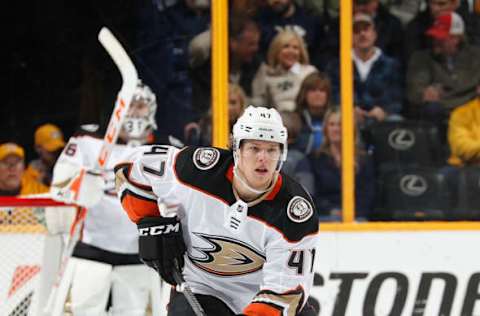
x: 30, y: 255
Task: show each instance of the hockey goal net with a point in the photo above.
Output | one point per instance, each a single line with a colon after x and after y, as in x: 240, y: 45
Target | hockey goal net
x: 29, y: 255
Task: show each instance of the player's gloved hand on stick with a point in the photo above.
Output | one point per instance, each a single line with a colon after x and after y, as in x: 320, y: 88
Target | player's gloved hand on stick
x: 160, y: 244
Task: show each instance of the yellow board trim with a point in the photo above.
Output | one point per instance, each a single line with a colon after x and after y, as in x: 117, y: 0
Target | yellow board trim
x: 398, y: 226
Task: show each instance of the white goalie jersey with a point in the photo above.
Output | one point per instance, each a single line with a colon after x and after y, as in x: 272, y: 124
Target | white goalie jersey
x: 259, y: 261
x: 106, y: 225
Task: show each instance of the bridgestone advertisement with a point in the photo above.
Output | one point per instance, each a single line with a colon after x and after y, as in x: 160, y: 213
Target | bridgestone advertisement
x: 398, y: 273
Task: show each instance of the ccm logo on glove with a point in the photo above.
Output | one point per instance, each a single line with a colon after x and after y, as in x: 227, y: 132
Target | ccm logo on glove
x: 159, y: 230
x: 161, y: 245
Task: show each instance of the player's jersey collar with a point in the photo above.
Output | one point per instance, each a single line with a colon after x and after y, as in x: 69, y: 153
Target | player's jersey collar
x: 273, y: 192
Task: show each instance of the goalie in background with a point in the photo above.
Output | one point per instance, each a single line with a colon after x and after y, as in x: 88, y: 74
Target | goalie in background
x: 106, y: 260
x: 244, y: 233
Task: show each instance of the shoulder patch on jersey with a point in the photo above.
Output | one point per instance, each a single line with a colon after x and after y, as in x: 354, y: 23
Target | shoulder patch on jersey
x: 299, y: 210
x: 206, y: 157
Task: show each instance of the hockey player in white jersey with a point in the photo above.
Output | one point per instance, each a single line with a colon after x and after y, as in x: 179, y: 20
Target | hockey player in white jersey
x: 244, y: 233
x: 106, y: 261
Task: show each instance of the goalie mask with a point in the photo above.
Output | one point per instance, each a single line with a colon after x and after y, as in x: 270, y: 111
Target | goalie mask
x: 260, y: 123
x: 140, y: 120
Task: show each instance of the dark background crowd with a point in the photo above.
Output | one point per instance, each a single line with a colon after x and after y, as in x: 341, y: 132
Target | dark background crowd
x: 416, y: 89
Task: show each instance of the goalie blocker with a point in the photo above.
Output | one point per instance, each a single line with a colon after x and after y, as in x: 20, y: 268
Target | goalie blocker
x: 250, y: 231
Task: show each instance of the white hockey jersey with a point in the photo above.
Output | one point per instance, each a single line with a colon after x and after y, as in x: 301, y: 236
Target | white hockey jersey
x: 106, y: 225
x: 262, y: 261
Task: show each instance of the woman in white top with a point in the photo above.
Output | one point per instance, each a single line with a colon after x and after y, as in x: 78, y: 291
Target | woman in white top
x: 278, y: 81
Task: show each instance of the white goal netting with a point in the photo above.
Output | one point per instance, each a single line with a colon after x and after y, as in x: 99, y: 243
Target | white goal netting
x: 30, y: 260
x: 24, y: 256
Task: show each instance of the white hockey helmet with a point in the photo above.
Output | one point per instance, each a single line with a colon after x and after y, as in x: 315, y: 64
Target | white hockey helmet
x: 138, y: 127
x: 260, y: 123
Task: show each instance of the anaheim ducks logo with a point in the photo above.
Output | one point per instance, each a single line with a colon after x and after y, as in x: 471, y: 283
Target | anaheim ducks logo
x: 227, y: 257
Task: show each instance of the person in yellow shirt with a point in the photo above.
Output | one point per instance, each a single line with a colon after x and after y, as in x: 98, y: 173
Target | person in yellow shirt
x: 49, y: 143
x: 464, y: 134
x: 15, y: 182
x: 13, y: 179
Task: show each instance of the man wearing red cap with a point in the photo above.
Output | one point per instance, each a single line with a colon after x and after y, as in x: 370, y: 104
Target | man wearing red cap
x: 447, y: 75
x: 415, y: 37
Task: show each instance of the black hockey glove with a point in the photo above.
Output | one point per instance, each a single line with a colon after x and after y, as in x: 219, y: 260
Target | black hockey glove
x: 161, y: 244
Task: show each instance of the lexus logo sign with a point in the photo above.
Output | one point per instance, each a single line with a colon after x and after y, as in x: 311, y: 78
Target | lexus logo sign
x: 413, y: 185
x: 401, y: 139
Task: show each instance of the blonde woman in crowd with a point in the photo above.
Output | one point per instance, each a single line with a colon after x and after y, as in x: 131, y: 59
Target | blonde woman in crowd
x: 237, y: 101
x: 278, y: 81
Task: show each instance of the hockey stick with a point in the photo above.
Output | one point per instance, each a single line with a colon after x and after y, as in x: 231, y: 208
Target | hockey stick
x: 129, y: 76
x: 129, y: 83
x: 187, y: 291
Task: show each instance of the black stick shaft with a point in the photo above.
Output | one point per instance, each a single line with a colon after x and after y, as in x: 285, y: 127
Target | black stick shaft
x: 197, y: 308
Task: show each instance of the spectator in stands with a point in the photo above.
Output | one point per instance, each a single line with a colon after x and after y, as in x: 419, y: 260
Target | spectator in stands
x: 377, y: 77
x: 49, y: 143
x: 200, y: 133
x: 445, y: 76
x: 237, y: 102
x: 405, y: 10
x: 415, y: 37
x: 248, y: 7
x: 297, y: 164
x: 312, y: 101
x: 388, y: 27
x: 326, y: 164
x: 470, y: 12
x: 287, y: 15
x: 162, y: 58
x: 13, y: 180
x: 244, y: 61
x: 463, y: 140
x: 315, y: 21
x: 464, y: 133
x: 279, y: 80
x: 320, y: 7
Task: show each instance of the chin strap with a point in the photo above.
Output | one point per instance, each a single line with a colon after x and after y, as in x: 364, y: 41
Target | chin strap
x: 237, y: 174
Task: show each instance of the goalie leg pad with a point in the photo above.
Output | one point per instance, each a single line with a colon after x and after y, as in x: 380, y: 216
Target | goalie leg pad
x: 59, y: 219
x: 90, y: 287
x: 131, y: 289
